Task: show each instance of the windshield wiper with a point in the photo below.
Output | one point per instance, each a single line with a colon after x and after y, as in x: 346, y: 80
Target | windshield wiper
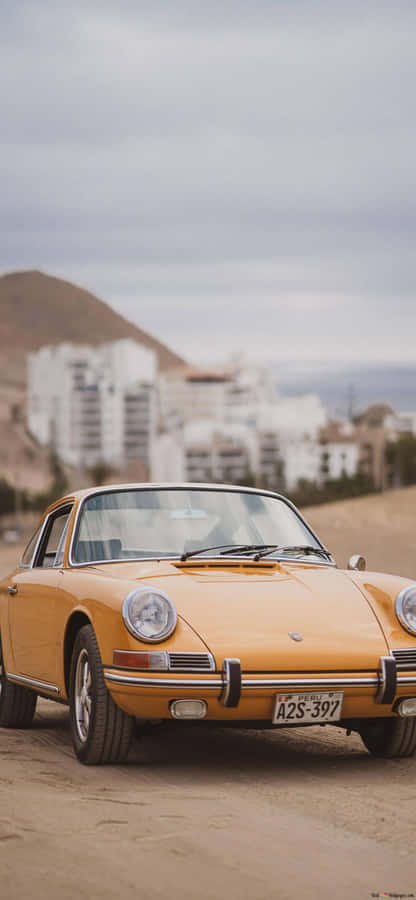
x: 250, y: 548
x: 259, y: 549
x: 223, y: 547
x: 295, y: 549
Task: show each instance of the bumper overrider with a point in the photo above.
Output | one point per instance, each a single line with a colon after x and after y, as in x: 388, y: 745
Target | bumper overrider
x: 231, y: 687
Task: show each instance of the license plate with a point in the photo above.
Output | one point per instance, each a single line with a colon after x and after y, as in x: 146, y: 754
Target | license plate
x: 304, y: 709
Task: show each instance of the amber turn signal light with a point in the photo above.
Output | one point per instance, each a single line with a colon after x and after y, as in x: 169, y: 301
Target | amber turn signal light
x: 131, y: 659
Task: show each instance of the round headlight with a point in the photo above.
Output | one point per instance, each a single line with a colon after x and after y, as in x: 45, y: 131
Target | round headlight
x: 406, y: 608
x: 149, y: 614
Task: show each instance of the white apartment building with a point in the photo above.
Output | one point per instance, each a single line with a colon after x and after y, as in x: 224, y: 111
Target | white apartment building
x: 225, y: 425
x: 287, y: 436
x: 205, y: 451
x: 338, y: 458
x: 187, y: 393
x: 93, y: 404
x: 218, y: 452
x: 317, y: 462
x: 399, y: 423
x: 250, y: 387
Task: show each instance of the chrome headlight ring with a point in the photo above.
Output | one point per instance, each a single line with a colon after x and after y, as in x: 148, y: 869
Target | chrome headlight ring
x: 406, y: 608
x: 149, y: 614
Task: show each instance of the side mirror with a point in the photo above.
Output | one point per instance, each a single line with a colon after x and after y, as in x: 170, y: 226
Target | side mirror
x: 357, y: 563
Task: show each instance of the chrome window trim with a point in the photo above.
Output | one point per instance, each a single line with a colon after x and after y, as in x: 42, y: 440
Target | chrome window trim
x: 30, y: 564
x: 52, y: 514
x: 68, y: 505
x: 235, y: 559
x: 63, y: 540
x: 235, y: 489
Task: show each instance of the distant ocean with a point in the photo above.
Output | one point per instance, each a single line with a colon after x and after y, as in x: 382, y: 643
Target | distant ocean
x: 349, y: 386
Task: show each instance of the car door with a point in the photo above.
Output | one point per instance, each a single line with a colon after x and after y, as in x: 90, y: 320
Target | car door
x: 32, y: 604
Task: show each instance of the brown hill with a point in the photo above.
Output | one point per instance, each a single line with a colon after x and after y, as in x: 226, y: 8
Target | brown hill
x: 37, y: 309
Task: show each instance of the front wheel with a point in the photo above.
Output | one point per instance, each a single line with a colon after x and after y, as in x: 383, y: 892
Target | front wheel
x: 17, y: 703
x: 390, y: 737
x: 101, y: 731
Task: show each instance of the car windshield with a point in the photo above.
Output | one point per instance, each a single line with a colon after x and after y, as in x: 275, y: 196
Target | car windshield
x: 134, y: 524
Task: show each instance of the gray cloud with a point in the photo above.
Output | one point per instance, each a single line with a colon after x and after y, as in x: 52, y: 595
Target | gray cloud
x: 245, y: 163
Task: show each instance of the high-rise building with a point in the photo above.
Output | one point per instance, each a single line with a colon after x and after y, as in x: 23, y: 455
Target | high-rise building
x: 93, y: 404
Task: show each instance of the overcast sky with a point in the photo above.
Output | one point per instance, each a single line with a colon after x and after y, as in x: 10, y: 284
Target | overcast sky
x: 229, y: 175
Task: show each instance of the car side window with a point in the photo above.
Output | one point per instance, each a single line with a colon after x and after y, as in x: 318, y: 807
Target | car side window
x: 59, y: 558
x: 30, y: 549
x: 53, y: 539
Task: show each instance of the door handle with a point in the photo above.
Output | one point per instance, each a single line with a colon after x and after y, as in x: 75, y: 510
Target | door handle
x: 12, y: 589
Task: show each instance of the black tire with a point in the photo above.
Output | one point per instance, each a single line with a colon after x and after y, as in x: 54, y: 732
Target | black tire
x: 101, y: 731
x: 17, y: 703
x: 390, y: 737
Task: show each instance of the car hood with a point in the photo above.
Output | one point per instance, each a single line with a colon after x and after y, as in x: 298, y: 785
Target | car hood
x: 249, y: 611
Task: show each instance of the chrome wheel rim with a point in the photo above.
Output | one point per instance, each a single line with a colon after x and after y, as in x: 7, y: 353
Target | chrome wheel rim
x: 83, y: 699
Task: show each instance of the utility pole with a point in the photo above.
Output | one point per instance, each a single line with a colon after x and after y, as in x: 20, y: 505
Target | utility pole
x: 351, y: 398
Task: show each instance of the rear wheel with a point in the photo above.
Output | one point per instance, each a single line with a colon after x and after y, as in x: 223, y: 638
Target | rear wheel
x: 101, y: 732
x: 390, y: 737
x: 17, y: 703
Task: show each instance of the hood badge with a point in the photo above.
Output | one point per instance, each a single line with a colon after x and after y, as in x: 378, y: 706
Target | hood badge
x: 296, y: 635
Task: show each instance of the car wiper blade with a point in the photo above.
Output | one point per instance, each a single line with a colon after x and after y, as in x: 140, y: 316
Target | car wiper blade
x: 249, y: 548
x: 259, y: 549
x: 302, y: 548
x: 223, y: 547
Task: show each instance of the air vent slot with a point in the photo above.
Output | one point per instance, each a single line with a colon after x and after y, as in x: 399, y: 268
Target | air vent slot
x: 191, y: 662
x: 405, y: 659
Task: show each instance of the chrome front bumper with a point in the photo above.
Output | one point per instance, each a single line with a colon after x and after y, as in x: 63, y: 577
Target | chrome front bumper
x: 232, y: 683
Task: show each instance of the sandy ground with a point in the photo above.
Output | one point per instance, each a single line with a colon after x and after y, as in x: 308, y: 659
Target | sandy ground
x: 381, y: 528
x: 208, y: 813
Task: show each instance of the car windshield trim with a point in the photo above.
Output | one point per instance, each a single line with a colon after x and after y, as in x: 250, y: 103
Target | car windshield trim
x: 177, y: 559
x: 73, y: 563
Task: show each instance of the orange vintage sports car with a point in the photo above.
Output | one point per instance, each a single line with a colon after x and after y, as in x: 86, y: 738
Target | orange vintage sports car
x: 199, y: 602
